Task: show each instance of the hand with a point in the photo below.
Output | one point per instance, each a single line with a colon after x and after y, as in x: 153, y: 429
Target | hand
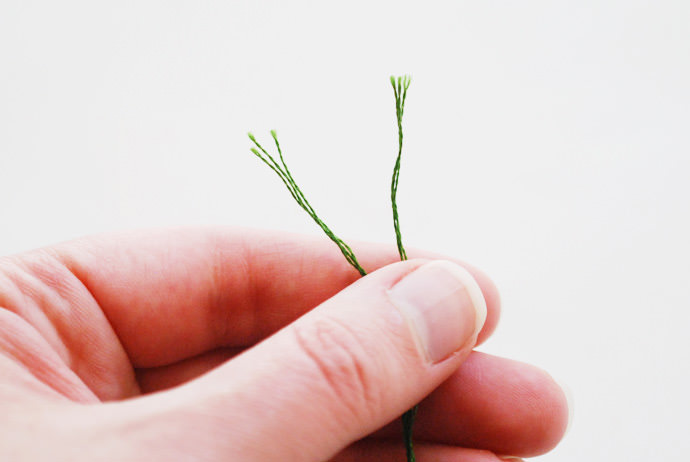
x: 220, y: 344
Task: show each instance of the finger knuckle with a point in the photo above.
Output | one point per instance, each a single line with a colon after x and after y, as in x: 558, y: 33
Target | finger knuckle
x: 342, y: 359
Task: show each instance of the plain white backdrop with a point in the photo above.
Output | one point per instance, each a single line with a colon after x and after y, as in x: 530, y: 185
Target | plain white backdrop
x: 547, y: 142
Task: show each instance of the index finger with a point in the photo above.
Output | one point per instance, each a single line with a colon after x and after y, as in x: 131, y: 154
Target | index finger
x: 172, y: 294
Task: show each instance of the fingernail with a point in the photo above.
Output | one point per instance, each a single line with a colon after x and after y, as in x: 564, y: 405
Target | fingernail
x: 444, y: 307
x: 511, y: 459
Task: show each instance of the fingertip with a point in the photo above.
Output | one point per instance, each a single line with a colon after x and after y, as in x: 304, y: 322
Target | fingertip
x: 506, y: 406
x: 549, y: 411
x: 568, y: 397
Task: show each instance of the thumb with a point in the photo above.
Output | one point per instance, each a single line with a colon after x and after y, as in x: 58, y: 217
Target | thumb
x: 346, y: 368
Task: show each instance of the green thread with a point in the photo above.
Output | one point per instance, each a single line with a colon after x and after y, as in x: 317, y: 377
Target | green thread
x: 281, y: 169
x: 400, y: 86
x: 407, y: 423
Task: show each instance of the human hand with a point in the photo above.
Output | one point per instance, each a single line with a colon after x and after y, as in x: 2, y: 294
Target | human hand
x: 206, y: 345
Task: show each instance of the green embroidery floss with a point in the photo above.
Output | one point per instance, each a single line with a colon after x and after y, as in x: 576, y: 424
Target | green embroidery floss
x: 400, y: 89
x: 400, y: 86
x: 284, y: 173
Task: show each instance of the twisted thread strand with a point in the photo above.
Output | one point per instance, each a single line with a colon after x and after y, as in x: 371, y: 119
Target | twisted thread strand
x: 400, y: 86
x: 281, y: 169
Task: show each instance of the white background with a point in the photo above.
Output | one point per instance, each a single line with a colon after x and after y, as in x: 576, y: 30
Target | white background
x: 546, y: 142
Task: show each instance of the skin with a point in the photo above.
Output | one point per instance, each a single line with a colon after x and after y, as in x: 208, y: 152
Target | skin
x: 152, y: 345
